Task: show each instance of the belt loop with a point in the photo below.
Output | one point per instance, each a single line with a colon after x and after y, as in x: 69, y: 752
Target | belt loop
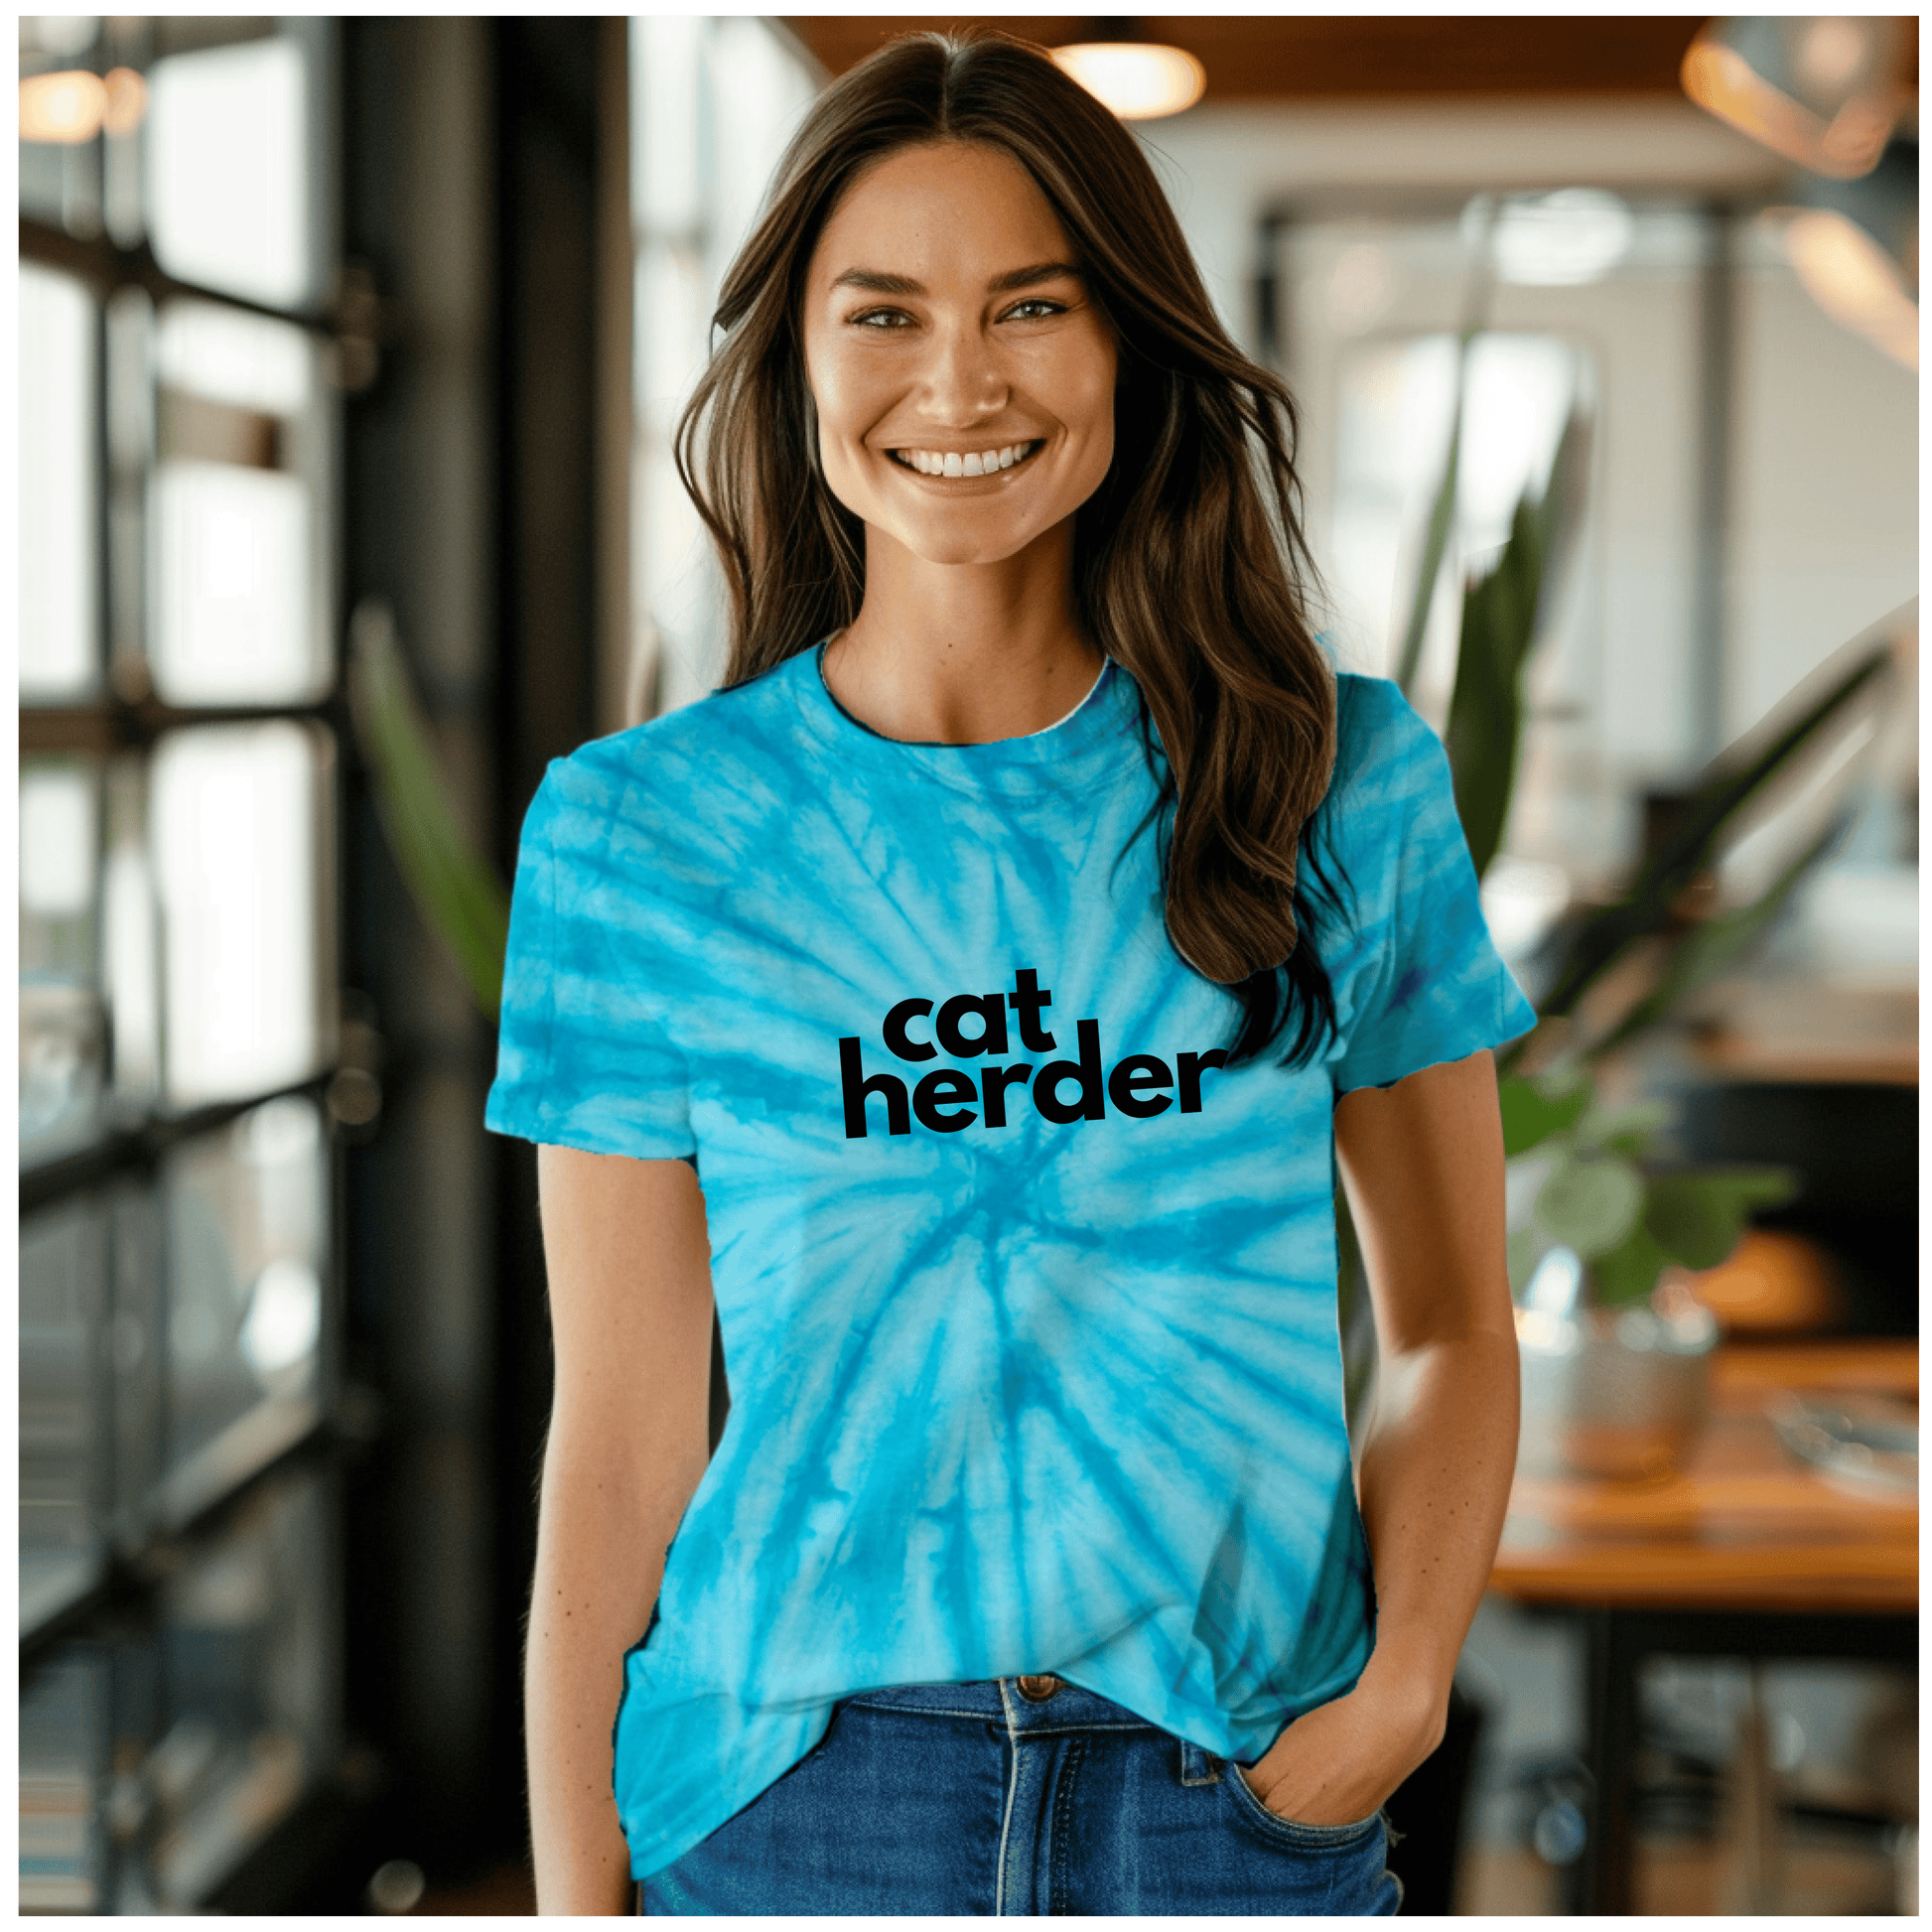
x: 1198, y: 1766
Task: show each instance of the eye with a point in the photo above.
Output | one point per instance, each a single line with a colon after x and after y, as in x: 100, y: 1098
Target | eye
x: 1035, y: 308
x: 881, y: 319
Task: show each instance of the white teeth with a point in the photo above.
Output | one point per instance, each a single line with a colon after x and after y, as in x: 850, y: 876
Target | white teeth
x: 976, y: 462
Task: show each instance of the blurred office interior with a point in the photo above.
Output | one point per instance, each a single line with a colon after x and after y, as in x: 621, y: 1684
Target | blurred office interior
x: 351, y: 351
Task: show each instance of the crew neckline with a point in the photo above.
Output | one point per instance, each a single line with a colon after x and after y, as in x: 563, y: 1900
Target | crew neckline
x: 1087, y: 746
x: 1099, y: 679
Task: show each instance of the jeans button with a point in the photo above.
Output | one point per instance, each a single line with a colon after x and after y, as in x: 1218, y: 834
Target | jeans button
x: 1037, y: 1690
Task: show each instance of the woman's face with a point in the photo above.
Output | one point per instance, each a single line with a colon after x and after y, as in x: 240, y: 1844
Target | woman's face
x: 963, y: 377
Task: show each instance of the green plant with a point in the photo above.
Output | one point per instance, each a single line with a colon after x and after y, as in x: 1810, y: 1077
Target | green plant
x: 1646, y: 911
x: 1591, y: 1182
x: 456, y: 889
x: 1603, y: 1195
x: 1506, y: 612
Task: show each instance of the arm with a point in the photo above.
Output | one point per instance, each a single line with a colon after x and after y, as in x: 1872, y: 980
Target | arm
x: 631, y: 1312
x: 1423, y: 1164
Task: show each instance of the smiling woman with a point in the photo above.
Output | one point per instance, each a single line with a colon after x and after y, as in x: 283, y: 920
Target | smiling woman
x: 988, y: 373
x: 1027, y: 1575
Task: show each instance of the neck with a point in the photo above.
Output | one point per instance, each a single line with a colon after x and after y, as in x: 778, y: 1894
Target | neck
x: 964, y: 654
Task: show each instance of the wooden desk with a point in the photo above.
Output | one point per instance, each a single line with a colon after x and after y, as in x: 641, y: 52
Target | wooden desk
x: 1748, y: 1551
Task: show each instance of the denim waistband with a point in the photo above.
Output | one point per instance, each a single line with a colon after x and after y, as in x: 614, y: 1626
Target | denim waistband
x: 999, y: 1700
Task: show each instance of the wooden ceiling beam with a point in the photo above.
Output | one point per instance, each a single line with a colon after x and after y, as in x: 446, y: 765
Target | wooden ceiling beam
x: 1301, y: 57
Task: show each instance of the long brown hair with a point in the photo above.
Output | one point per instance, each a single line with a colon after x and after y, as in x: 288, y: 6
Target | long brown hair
x: 1190, y: 565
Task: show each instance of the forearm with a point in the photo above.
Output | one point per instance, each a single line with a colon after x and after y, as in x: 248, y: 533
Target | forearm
x: 1435, y: 1471
x: 1423, y: 1162
x: 599, y: 1565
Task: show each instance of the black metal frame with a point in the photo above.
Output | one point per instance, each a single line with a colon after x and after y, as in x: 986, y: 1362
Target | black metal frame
x: 1617, y: 1643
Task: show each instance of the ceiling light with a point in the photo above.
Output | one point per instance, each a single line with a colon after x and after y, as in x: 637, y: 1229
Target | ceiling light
x: 1139, y: 80
x: 67, y: 107
x: 1854, y: 281
x: 1823, y: 90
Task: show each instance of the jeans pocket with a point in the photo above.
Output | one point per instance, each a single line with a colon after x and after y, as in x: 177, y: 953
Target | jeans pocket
x: 1312, y: 1838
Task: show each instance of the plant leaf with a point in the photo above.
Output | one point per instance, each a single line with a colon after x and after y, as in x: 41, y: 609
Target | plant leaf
x: 1522, y: 1251
x: 1624, y: 1129
x: 1503, y: 613
x: 1590, y: 1203
x: 1530, y: 1114
x: 1628, y: 1272
x: 1441, y: 515
x: 458, y: 893
x: 1442, y: 512
x: 1696, y: 1216
x: 1715, y: 943
x: 1729, y: 782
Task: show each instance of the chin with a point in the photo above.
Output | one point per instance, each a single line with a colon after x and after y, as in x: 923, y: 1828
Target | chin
x: 960, y: 547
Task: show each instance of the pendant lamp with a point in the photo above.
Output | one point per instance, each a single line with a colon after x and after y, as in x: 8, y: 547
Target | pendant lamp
x: 1138, y: 79
x: 1824, y: 91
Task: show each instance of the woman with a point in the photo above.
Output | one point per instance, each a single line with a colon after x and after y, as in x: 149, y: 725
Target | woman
x: 975, y: 997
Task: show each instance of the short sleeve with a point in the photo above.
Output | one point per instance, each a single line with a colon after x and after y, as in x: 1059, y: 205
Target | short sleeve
x: 584, y: 1052
x: 1418, y: 979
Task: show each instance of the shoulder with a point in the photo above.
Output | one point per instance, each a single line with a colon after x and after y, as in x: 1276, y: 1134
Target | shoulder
x: 663, y: 771
x: 1384, y: 748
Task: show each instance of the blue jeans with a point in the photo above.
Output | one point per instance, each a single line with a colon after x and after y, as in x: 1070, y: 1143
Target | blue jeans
x: 976, y: 1800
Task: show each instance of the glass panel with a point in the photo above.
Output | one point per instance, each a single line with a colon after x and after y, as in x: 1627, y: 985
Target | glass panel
x: 231, y: 356
x: 1393, y: 417
x: 62, y: 1026
x: 63, y: 1725
x: 760, y: 92
x: 130, y: 457
x: 1611, y: 687
x: 63, y: 1271
x: 245, y: 1254
x: 240, y: 558
x: 245, y: 1642
x: 134, y: 1728
x: 236, y: 829
x: 229, y: 141
x: 130, y: 939
x: 232, y: 619
x: 134, y: 1353
x: 59, y: 526
x: 714, y: 101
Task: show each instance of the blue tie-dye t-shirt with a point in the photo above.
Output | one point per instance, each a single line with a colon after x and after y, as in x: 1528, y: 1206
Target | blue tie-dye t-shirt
x: 1027, y: 1300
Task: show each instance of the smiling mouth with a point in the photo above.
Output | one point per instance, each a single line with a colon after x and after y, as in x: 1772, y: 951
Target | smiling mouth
x: 967, y: 463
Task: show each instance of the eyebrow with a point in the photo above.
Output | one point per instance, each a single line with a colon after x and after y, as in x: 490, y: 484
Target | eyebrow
x: 876, y: 282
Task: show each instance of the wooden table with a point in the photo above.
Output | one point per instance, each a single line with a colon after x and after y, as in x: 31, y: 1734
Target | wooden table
x: 1747, y: 1551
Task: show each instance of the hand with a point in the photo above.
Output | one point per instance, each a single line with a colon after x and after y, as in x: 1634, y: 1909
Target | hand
x: 1339, y: 1761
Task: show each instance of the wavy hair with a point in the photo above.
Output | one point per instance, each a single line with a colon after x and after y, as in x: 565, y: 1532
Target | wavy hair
x: 1189, y: 561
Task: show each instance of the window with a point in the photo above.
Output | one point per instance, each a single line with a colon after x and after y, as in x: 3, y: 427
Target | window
x: 178, y: 687
x: 1600, y: 308
x: 714, y: 100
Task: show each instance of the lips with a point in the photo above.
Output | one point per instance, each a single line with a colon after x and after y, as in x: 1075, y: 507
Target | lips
x: 967, y: 463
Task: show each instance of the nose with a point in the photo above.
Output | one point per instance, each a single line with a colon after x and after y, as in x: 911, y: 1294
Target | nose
x: 961, y: 383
